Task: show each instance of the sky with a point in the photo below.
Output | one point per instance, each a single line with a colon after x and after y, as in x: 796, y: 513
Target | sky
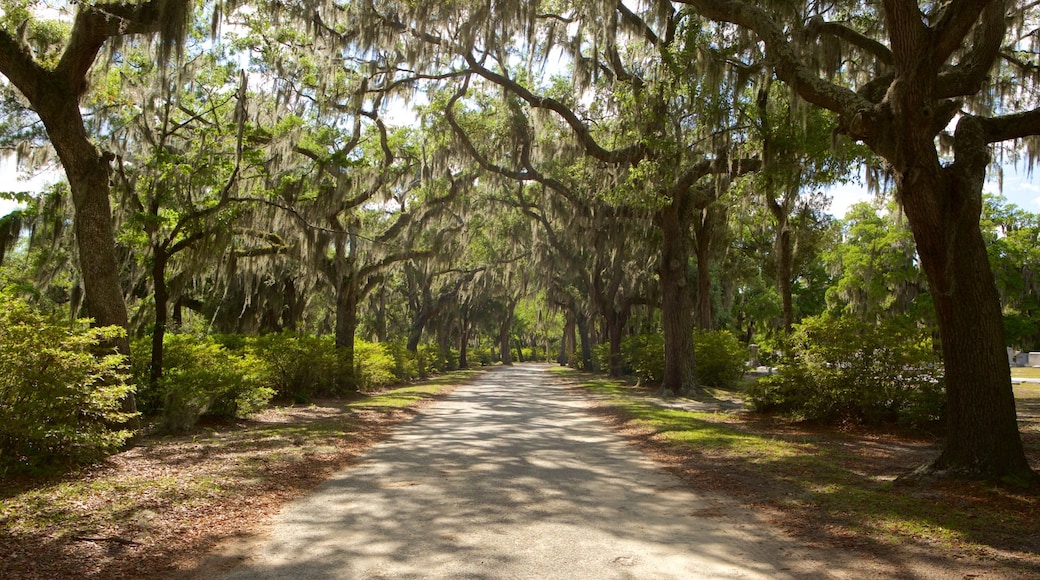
x: 1019, y: 189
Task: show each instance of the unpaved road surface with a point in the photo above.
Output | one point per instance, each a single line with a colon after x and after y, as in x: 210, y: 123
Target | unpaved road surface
x: 509, y: 477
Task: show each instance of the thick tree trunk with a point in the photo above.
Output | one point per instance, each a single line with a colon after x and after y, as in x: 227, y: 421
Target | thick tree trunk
x: 784, y: 274
x: 582, y: 322
x: 505, y: 351
x: 88, y: 173
x: 943, y: 206
x: 415, y: 332
x: 346, y: 326
x: 567, y: 340
x: 676, y: 303
x: 444, y: 345
x: 615, y: 329
x: 464, y: 343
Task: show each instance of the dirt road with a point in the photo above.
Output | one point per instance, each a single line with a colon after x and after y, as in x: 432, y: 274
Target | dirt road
x: 510, y: 478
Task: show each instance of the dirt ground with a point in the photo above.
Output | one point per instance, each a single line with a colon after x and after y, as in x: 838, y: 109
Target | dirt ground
x: 167, y: 532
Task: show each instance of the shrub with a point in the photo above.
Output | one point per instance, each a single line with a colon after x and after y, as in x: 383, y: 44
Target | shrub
x: 406, y: 367
x: 202, y: 377
x: 58, y: 401
x: 644, y: 354
x: 840, y: 368
x: 721, y: 358
x: 375, y: 365
x: 481, y: 355
x: 297, y: 366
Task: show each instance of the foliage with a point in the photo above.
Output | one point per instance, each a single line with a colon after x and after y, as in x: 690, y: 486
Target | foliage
x: 201, y: 377
x: 721, y: 359
x: 297, y: 366
x: 842, y: 368
x: 644, y: 355
x: 58, y: 401
x: 481, y: 355
x: 375, y: 365
x: 406, y: 367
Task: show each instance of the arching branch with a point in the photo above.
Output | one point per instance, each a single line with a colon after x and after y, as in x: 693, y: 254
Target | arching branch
x: 789, y: 67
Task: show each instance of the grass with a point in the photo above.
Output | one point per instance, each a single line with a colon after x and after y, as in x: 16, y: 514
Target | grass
x: 1025, y: 373
x: 827, y: 479
x: 170, y: 498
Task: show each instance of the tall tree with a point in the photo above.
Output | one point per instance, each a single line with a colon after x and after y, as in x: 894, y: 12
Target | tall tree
x: 897, y: 73
x: 53, y: 76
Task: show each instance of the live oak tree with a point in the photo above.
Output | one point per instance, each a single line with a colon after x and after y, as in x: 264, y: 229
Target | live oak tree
x: 594, y: 250
x: 178, y: 163
x: 1013, y: 240
x: 669, y: 133
x: 898, y: 74
x: 52, y: 73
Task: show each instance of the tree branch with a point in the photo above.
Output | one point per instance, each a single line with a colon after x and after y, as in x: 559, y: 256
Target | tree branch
x: 581, y: 130
x: 789, y: 67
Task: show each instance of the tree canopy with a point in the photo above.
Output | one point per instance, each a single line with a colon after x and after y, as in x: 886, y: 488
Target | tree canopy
x: 527, y: 177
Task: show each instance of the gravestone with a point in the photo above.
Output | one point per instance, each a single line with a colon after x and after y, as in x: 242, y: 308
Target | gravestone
x: 1034, y: 359
x: 753, y: 363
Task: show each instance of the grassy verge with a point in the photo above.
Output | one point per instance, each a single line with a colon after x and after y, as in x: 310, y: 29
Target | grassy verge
x: 834, y: 486
x: 151, y: 511
x: 1025, y: 373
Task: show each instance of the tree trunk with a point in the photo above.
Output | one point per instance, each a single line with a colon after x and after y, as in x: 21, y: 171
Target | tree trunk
x: 676, y: 303
x: 784, y: 274
x: 464, y: 343
x: 615, y: 329
x: 346, y: 326
x: 943, y: 208
x: 87, y: 171
x: 567, y: 340
x: 162, y: 298
x: 415, y: 332
x: 582, y: 322
x: 505, y: 350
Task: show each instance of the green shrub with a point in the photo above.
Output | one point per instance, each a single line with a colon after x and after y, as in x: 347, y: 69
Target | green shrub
x: 426, y: 357
x: 840, y: 368
x: 645, y: 355
x: 481, y: 355
x: 297, y: 366
x: 202, y: 377
x: 375, y: 365
x: 721, y: 358
x: 405, y: 366
x: 58, y: 401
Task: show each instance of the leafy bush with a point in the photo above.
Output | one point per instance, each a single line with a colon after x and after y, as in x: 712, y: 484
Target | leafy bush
x: 840, y: 368
x: 481, y: 355
x: 406, y: 367
x: 375, y: 365
x: 721, y: 358
x: 297, y: 366
x: 645, y: 354
x: 202, y: 377
x: 58, y: 401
